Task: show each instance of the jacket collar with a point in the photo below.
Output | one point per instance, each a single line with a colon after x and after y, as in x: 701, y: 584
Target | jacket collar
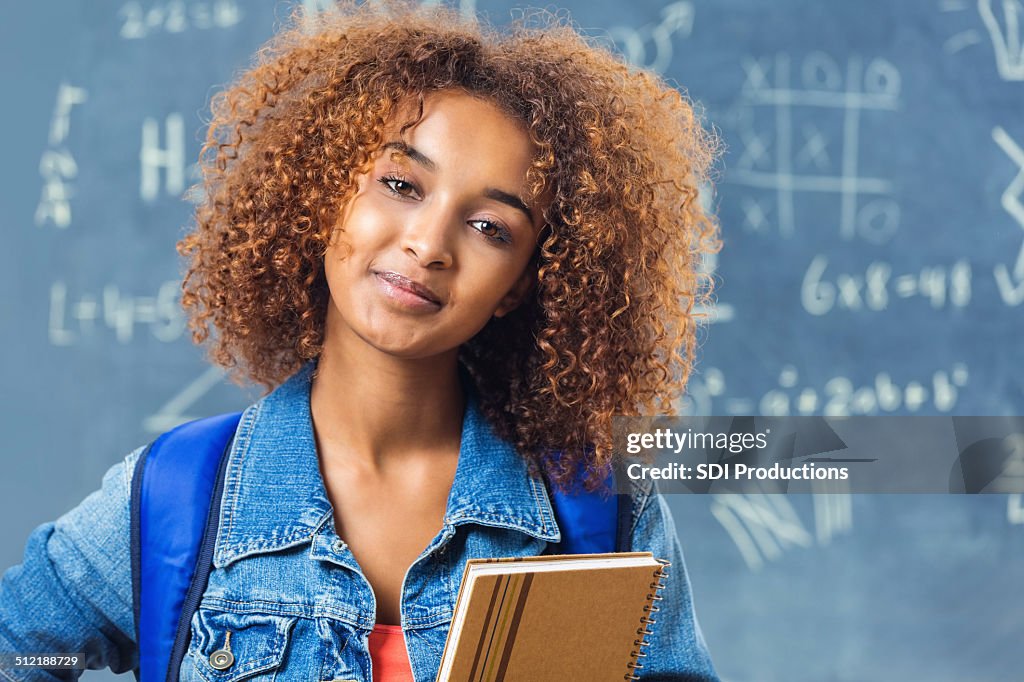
x: 274, y: 495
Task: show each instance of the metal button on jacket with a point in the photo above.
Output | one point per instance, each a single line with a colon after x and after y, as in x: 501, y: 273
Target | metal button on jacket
x: 222, y: 658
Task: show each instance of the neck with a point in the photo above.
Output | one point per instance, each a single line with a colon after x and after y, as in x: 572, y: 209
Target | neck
x: 373, y: 410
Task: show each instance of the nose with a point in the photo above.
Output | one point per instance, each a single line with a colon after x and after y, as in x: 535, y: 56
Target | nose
x: 428, y: 237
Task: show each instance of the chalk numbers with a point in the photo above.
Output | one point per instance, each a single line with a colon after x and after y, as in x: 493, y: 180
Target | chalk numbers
x: 840, y: 397
x: 74, y: 317
x: 177, y: 16
x: 941, y: 286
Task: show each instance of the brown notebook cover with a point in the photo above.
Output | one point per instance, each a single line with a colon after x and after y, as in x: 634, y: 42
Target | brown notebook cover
x: 558, y: 618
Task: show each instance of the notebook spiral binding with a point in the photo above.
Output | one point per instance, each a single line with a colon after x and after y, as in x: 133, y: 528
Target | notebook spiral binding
x: 647, y: 621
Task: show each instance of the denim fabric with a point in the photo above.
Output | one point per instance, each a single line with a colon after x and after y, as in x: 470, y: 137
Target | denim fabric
x: 286, y: 587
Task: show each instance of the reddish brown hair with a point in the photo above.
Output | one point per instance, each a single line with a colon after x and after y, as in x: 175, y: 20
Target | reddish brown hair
x: 610, y: 327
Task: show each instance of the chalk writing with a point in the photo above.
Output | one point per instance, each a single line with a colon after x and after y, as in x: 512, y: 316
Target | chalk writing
x: 838, y: 396
x: 841, y: 397
x: 764, y: 526
x: 963, y: 39
x: 833, y: 510
x: 635, y: 43
x: 176, y: 16
x: 1001, y: 20
x: 57, y: 167
x: 1015, y: 509
x: 1004, y: 28
x: 760, y: 525
x: 960, y: 41
x: 173, y: 412
x: 311, y: 7
x: 1011, y: 284
x: 466, y: 7
x: 170, y: 158
x: 873, y: 291
x: 70, y: 320
x: 866, y: 209
x: 1012, y: 475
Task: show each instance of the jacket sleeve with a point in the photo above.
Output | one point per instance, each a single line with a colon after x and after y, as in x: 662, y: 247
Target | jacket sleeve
x: 677, y: 650
x: 72, y: 593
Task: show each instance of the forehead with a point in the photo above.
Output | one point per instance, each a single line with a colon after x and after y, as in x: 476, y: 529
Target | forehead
x: 460, y: 129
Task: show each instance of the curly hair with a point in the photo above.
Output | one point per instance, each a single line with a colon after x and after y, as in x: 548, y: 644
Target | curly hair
x: 610, y: 326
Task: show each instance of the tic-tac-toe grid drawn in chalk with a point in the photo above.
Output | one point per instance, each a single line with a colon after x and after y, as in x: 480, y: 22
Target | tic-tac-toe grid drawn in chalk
x: 791, y: 160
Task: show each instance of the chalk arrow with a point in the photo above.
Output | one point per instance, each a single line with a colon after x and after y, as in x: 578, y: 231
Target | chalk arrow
x: 678, y: 18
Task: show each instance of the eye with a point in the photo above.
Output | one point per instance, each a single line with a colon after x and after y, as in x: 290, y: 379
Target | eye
x: 400, y: 187
x: 492, y: 231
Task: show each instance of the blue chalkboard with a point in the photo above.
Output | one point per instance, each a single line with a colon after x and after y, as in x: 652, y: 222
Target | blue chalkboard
x: 871, y: 197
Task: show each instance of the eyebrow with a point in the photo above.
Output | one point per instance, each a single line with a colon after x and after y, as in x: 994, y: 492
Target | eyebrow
x: 412, y: 153
x: 491, y: 193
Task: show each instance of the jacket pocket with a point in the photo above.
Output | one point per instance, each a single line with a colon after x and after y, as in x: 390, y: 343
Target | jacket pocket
x: 230, y: 646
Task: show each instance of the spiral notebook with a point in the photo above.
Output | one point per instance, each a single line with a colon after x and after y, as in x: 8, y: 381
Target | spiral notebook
x: 557, y: 618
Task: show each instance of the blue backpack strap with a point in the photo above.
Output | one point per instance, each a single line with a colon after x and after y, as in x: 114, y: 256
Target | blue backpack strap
x: 175, y: 505
x: 592, y: 522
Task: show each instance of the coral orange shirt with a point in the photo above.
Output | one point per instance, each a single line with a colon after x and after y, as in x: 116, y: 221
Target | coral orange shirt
x: 388, y: 654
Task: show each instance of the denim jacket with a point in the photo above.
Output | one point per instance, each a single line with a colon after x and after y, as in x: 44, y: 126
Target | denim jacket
x: 287, y: 587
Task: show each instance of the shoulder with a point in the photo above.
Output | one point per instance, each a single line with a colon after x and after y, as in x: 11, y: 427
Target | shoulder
x: 102, y: 517
x: 645, y: 501
x: 653, y: 527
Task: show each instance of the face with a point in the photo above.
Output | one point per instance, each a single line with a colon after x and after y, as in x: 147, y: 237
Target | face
x: 438, y: 237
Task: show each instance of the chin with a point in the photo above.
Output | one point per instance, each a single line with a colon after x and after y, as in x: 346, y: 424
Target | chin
x: 406, y: 348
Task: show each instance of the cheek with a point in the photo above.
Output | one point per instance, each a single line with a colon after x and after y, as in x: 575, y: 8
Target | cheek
x: 489, y: 283
x: 338, y: 253
x: 361, y: 221
x: 359, y: 233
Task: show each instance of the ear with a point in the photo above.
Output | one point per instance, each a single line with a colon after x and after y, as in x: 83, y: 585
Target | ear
x: 519, y: 291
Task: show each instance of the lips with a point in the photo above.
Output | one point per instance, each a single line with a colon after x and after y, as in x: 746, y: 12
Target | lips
x: 409, y: 285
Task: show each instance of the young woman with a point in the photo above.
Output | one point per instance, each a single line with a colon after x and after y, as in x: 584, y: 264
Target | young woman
x: 453, y: 254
